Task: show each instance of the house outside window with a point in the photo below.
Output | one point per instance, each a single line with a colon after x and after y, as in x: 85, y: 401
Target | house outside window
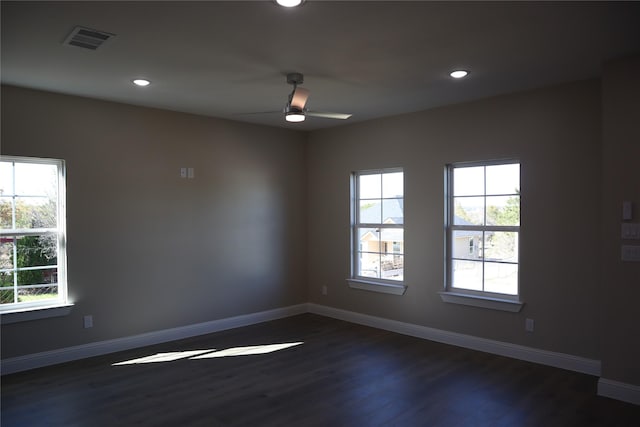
x: 32, y: 233
x: 483, y: 229
x: 378, y: 226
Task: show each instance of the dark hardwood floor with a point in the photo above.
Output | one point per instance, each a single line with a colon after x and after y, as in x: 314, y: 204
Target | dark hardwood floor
x: 342, y: 375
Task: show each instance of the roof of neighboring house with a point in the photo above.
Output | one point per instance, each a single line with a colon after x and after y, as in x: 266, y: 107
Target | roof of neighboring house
x: 392, y: 210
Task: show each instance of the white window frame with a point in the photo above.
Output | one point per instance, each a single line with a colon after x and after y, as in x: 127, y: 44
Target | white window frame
x: 59, y: 306
x: 485, y: 299
x: 394, y: 287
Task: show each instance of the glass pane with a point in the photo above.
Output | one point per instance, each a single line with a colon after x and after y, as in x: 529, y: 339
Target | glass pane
x: 370, y: 212
x: 501, y: 278
x: 468, y: 211
x: 392, y: 267
x: 6, y: 212
x: 392, y: 240
x: 6, y: 288
x: 36, y: 251
x: 501, y: 246
x: 393, y: 185
x: 467, y: 275
x: 468, y: 181
x: 38, y: 293
x: 369, y: 240
x: 467, y: 245
x: 6, y: 178
x: 369, y: 264
x: 34, y: 179
x: 503, y: 210
x: 36, y: 212
x: 503, y: 179
x: 6, y: 253
x: 369, y: 186
x: 47, y: 276
x: 393, y: 211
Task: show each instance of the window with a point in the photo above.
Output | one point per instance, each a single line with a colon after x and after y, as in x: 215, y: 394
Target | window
x: 378, y: 228
x: 32, y: 233
x: 483, y: 228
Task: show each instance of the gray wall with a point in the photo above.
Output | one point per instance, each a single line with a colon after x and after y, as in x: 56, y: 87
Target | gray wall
x: 620, y: 293
x: 556, y: 134
x: 147, y: 250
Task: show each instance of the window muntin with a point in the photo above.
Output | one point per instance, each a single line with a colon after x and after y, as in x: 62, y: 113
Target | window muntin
x: 483, y: 228
x: 378, y: 226
x: 32, y: 233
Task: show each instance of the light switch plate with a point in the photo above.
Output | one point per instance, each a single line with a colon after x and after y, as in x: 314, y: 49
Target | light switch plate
x: 631, y: 253
x: 630, y: 230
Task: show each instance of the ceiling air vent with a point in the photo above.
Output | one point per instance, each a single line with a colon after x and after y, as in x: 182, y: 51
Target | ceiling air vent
x: 87, y: 38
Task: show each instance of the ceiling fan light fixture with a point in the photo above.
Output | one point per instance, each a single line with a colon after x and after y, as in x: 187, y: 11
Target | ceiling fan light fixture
x: 289, y: 3
x: 294, y: 117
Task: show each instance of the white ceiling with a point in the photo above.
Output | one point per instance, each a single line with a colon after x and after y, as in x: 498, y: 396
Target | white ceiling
x: 372, y: 59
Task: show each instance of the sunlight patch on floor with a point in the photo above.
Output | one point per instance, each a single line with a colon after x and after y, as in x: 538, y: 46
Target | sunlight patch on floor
x: 246, y: 351
x: 164, y: 357
x: 208, y: 354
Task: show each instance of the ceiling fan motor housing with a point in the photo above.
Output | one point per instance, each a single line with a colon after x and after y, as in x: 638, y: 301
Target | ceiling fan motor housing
x: 295, y: 78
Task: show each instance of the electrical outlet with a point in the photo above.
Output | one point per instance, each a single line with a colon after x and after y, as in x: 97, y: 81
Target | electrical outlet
x: 324, y: 290
x: 528, y: 325
x: 183, y: 172
x: 88, y: 321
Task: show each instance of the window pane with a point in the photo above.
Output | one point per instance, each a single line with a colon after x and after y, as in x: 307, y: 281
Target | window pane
x: 467, y: 245
x: 6, y: 212
x: 392, y: 267
x: 467, y: 275
x: 393, y: 185
x: 503, y: 210
x: 38, y: 293
x: 6, y: 288
x: 501, y: 278
x: 36, y: 212
x: 369, y: 186
x: 33, y: 179
x: 369, y: 239
x: 468, y: 181
x: 393, y: 211
x: 501, y: 246
x: 6, y: 178
x: 468, y: 211
x: 503, y: 179
x: 390, y: 238
x: 6, y: 253
x: 370, y: 212
x: 37, y: 251
x: 47, y: 276
x: 369, y: 265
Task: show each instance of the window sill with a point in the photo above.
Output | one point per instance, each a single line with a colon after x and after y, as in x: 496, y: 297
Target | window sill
x: 482, y: 302
x: 35, y: 313
x: 385, y: 288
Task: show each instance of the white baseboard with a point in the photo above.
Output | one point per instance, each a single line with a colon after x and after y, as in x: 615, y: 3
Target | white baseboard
x: 37, y: 360
x: 549, y: 358
x: 620, y: 391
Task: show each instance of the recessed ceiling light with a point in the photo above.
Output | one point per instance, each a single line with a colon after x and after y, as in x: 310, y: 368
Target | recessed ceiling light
x: 141, y: 82
x: 458, y: 74
x: 289, y: 3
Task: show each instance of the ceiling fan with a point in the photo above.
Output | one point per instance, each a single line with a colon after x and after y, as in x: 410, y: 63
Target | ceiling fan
x: 296, y: 111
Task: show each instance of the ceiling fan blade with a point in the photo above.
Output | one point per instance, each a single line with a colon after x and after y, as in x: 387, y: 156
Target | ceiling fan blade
x: 340, y: 116
x: 299, y: 98
x: 258, y: 112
